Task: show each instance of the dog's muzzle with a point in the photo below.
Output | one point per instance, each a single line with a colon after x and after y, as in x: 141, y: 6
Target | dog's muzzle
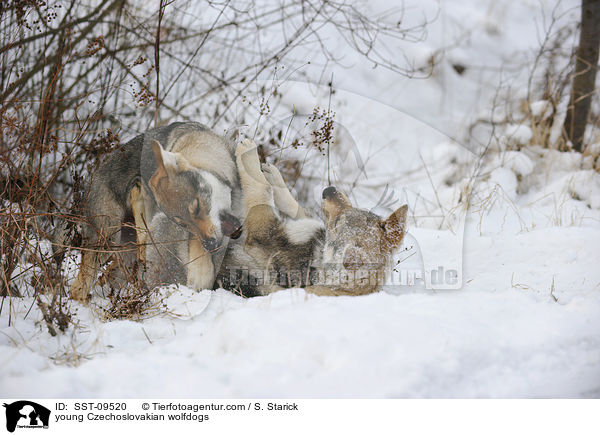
x: 230, y: 225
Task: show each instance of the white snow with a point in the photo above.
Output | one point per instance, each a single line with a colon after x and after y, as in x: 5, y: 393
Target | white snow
x: 524, y: 323
x: 541, y: 109
x: 502, y: 335
x: 518, y: 134
x: 517, y: 161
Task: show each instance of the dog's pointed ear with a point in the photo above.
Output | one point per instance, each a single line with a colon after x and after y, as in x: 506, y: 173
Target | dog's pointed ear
x: 395, y: 226
x: 334, y: 203
x: 164, y: 161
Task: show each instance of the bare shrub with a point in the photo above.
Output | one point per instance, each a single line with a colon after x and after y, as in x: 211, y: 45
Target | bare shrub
x: 56, y: 313
x: 544, y: 107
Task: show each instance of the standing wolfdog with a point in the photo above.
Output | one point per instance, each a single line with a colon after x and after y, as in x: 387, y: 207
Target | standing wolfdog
x: 182, y: 171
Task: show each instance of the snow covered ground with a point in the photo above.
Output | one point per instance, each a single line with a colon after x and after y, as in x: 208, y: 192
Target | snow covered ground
x: 525, y: 322
x: 502, y: 335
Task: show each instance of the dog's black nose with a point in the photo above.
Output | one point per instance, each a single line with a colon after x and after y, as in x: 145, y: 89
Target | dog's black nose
x: 210, y: 244
x: 230, y: 225
x: 329, y: 192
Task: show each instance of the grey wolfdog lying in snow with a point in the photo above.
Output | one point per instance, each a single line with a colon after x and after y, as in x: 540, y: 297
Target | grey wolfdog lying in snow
x: 282, y: 247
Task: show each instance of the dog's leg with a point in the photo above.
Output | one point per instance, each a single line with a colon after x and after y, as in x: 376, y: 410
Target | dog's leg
x: 262, y: 223
x: 200, y: 268
x: 256, y: 188
x: 141, y: 231
x: 282, y: 196
x: 266, y: 233
x: 80, y: 289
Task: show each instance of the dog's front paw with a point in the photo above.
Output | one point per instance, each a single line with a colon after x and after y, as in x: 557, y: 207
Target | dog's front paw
x: 272, y: 175
x: 245, y: 146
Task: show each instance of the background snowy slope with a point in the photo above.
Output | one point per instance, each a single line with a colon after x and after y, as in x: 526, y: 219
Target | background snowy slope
x: 526, y: 322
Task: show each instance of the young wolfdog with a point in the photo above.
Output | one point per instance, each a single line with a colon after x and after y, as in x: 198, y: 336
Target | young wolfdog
x: 182, y: 171
x: 349, y: 254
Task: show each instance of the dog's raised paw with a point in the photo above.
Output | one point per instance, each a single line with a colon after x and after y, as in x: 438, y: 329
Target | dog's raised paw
x: 272, y: 175
x: 245, y: 146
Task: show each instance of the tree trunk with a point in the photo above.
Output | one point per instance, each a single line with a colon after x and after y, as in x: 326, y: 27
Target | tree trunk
x: 584, y: 79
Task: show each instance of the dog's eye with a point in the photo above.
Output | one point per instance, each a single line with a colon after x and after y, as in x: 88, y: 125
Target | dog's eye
x: 195, y: 207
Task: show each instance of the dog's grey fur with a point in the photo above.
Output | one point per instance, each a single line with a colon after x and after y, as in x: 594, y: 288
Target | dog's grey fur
x: 280, y: 245
x: 166, y: 171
